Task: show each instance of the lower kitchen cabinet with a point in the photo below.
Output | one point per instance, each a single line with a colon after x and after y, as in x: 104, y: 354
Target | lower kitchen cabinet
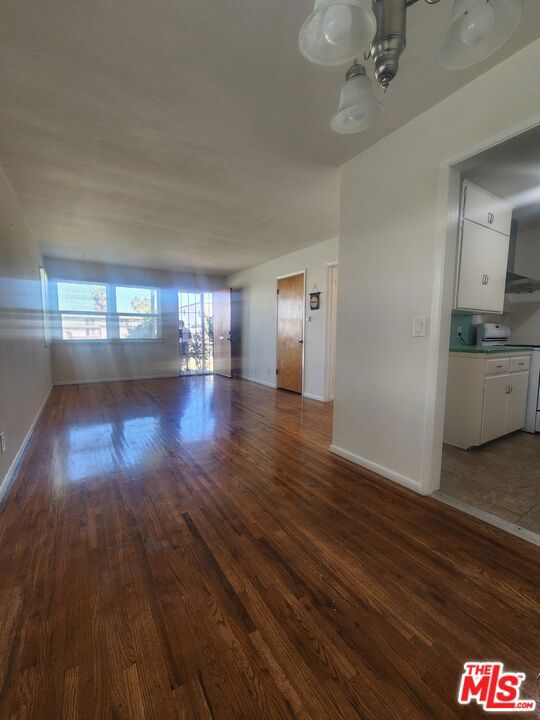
x: 516, y: 402
x: 486, y: 397
x: 494, y: 408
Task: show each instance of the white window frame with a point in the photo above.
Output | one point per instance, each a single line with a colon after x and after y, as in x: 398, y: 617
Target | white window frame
x: 112, y: 317
x: 45, y: 306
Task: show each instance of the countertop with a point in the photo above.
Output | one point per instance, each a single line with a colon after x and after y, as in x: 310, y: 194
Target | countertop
x: 490, y: 350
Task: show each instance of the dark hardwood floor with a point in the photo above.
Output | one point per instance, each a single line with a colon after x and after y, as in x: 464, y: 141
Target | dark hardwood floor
x: 190, y: 549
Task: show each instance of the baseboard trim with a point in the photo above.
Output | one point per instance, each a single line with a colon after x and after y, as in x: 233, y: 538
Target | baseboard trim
x: 259, y: 382
x: 310, y: 396
x: 117, y: 379
x: 379, y: 469
x: 15, y: 465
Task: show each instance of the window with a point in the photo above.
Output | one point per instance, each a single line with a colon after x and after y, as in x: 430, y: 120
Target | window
x: 137, y: 312
x: 99, y: 311
x: 83, y: 310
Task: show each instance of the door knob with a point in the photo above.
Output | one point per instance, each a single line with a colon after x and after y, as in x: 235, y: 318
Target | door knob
x: 300, y: 341
x: 221, y: 337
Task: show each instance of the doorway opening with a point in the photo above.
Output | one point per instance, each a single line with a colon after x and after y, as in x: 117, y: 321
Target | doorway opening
x: 491, y: 450
x: 333, y: 274
x: 195, y: 332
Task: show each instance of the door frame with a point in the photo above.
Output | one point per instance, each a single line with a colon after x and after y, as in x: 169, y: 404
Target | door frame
x: 282, y: 277
x: 446, y: 244
x: 331, y: 301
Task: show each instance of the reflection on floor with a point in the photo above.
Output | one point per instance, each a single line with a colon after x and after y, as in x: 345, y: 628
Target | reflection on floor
x: 501, y: 478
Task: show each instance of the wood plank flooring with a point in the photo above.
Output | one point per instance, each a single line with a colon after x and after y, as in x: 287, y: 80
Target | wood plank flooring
x: 191, y: 549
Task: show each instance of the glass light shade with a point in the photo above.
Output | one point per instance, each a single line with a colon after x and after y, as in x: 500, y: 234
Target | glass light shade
x: 337, y: 32
x: 478, y: 28
x: 358, y: 107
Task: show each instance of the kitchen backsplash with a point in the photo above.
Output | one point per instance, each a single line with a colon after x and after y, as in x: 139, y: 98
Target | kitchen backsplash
x: 521, y: 314
x: 465, y: 322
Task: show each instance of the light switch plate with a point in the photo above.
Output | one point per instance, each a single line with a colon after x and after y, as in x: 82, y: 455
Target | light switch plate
x: 420, y: 326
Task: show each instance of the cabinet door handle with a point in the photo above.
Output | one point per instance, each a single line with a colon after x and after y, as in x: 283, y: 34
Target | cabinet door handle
x: 491, y: 218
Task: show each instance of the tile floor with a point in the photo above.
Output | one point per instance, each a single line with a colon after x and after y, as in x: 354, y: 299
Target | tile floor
x: 502, y: 478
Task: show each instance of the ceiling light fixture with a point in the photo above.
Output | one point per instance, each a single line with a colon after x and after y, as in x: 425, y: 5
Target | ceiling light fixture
x: 337, y: 31
x: 358, y: 108
x: 478, y: 28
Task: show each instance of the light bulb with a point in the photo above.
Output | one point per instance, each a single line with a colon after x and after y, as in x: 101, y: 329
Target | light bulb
x: 477, y: 24
x: 355, y: 113
x: 337, y: 24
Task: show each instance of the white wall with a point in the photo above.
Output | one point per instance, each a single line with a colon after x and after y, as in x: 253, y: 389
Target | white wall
x: 527, y: 261
x: 396, y: 231
x: 258, y: 291
x: 25, y: 376
x: 78, y: 362
x: 524, y: 318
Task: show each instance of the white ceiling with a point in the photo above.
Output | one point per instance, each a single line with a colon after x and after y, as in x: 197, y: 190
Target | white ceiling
x: 511, y: 171
x: 177, y: 133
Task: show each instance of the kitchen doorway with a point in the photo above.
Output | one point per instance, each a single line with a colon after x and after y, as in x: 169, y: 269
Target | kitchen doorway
x: 195, y: 333
x: 491, y: 452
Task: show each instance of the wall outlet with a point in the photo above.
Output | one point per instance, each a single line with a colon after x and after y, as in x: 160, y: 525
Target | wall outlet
x: 2, y: 442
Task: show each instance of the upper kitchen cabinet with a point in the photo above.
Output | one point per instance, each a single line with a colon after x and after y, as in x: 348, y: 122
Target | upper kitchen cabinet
x: 483, y: 250
x: 485, y: 209
x: 482, y: 268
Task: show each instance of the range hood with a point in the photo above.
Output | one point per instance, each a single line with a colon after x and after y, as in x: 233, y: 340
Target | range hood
x: 515, y: 283
x: 520, y: 284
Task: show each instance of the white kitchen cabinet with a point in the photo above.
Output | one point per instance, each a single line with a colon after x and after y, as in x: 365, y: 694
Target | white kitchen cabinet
x: 494, y: 409
x: 483, y: 251
x: 482, y: 268
x: 516, y: 401
x: 486, y: 397
x: 485, y: 209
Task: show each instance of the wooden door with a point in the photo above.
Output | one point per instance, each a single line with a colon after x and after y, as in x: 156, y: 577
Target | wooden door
x: 222, y: 332
x: 290, y: 332
x: 516, y: 401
